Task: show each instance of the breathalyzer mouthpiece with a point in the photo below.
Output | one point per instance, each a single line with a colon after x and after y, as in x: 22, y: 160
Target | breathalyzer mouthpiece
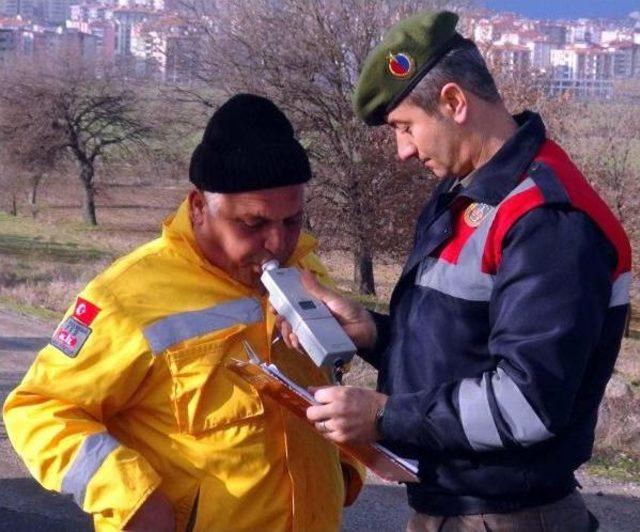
x: 272, y: 264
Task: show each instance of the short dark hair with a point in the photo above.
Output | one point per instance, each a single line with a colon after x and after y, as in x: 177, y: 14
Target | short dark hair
x: 463, y: 65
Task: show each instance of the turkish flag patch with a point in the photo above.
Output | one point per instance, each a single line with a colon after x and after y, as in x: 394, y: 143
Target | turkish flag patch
x: 70, y: 336
x: 85, y: 311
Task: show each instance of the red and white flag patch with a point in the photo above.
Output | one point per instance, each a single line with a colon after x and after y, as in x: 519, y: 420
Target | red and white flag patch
x: 85, y: 311
x: 73, y: 332
x: 70, y: 336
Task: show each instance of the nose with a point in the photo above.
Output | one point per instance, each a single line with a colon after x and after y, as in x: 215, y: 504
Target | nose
x: 275, y: 241
x: 406, y: 148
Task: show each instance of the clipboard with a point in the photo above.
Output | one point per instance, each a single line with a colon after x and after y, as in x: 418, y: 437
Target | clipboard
x: 267, y: 378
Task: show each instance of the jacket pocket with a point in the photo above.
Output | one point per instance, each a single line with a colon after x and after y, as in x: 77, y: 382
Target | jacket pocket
x: 207, y: 396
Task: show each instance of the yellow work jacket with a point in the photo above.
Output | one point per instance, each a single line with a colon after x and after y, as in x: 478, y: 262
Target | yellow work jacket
x: 133, y: 394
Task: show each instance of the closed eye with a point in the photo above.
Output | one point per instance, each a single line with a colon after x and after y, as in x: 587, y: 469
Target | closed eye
x: 293, y: 220
x: 401, y: 127
x: 252, y: 224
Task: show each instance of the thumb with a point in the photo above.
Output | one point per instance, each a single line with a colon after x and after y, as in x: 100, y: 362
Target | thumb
x: 315, y: 288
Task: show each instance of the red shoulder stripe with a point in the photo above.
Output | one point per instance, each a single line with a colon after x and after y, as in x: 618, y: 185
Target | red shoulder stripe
x: 509, y: 212
x: 585, y: 198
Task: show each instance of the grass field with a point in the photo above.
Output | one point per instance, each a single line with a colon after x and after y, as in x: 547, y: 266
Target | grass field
x: 45, y: 262
x: 42, y: 266
x: 57, y: 249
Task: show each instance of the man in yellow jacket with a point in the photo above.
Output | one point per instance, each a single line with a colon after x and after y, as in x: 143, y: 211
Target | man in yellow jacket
x: 131, y: 409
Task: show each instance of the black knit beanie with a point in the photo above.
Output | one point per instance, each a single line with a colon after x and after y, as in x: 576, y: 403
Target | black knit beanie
x: 248, y: 145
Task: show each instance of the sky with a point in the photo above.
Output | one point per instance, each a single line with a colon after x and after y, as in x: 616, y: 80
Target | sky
x: 553, y: 9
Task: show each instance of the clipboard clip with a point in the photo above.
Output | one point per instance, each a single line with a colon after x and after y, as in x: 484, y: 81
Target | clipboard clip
x: 251, y: 353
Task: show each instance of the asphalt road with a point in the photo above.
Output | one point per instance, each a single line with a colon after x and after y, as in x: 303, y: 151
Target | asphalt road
x: 24, y: 505
x: 27, y: 507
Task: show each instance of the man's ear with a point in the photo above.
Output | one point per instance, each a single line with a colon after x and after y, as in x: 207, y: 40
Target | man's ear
x: 197, y: 205
x: 454, y: 103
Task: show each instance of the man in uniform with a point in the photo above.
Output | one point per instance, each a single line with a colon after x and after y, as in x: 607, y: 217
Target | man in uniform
x: 131, y: 409
x: 507, y: 319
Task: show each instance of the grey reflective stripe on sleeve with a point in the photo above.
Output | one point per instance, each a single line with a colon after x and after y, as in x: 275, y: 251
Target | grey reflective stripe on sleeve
x: 475, y: 415
x: 525, y: 425
x: 620, y: 290
x: 176, y: 328
x: 93, y: 452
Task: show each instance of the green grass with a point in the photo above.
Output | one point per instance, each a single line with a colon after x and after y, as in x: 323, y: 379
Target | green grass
x: 22, y: 237
x: 615, y: 465
x: 43, y: 265
x: 19, y: 245
x: 29, y: 310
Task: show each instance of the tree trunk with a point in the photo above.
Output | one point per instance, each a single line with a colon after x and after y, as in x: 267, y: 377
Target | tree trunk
x: 362, y: 254
x: 89, y: 206
x: 627, y: 322
x: 32, y: 194
x: 363, y: 270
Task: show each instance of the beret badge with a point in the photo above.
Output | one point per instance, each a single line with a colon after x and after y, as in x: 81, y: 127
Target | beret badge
x: 401, y: 65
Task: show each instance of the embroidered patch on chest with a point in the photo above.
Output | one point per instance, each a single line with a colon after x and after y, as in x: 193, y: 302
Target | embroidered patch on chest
x: 70, y: 336
x: 475, y: 213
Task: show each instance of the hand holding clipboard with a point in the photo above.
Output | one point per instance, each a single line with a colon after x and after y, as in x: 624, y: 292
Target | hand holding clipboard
x: 267, y: 378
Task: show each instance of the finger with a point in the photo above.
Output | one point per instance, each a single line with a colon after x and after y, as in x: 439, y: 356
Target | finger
x: 314, y: 389
x: 327, y: 394
x: 311, y: 283
x: 289, y: 337
x: 295, y: 343
x: 322, y: 426
x: 319, y: 413
x: 285, y: 331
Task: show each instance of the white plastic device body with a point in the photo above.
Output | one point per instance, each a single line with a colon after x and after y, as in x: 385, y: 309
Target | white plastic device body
x: 319, y: 333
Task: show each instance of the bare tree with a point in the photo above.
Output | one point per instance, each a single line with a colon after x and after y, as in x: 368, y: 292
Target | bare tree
x: 604, y: 138
x: 524, y: 87
x: 306, y: 56
x: 10, y: 184
x: 63, y: 106
x: 28, y: 153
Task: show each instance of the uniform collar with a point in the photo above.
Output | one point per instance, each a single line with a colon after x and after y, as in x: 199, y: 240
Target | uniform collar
x: 495, y: 179
x: 178, y: 232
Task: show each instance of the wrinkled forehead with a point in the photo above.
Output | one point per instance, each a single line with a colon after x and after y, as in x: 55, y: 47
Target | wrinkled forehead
x: 272, y: 203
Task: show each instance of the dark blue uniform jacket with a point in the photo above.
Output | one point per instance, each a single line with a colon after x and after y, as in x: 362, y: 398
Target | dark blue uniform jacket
x: 503, y: 331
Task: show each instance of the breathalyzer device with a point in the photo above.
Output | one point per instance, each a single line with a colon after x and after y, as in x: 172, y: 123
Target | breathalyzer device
x: 319, y: 333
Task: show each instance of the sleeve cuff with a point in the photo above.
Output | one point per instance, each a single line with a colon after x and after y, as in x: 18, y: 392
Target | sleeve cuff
x: 374, y: 355
x: 121, y: 485
x: 405, y: 424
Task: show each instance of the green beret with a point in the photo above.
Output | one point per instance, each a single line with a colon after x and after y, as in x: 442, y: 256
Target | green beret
x: 393, y: 68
